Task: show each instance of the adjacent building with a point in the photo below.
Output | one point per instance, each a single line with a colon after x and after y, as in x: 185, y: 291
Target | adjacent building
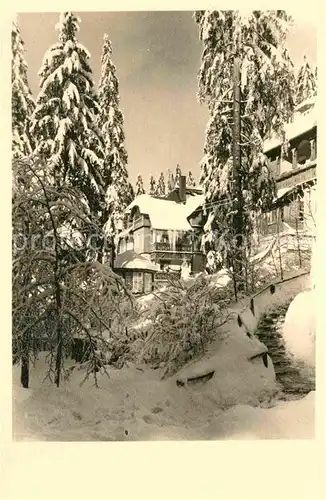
x: 294, y: 207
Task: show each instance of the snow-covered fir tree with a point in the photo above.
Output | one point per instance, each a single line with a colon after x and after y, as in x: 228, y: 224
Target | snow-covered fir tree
x: 306, y: 82
x: 64, y: 122
x: 250, y: 43
x: 169, y: 182
x: 160, y: 186
x: 22, y: 103
x: 152, y: 186
x: 139, y: 186
x: 190, y: 180
x: 111, y: 124
x: 177, y: 176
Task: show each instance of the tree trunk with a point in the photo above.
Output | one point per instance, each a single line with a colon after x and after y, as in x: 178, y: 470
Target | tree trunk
x: 58, y: 361
x: 238, y: 229
x: 112, y: 253
x: 24, y: 374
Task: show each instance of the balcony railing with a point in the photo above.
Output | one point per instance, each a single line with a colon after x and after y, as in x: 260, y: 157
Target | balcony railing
x: 171, y: 247
x: 295, y: 161
x: 141, y: 221
x: 167, y: 276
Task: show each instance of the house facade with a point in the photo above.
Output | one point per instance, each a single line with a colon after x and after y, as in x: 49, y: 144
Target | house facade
x: 164, y: 234
x: 294, y: 207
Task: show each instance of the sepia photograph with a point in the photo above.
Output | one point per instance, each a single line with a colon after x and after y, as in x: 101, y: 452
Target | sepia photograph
x: 164, y: 225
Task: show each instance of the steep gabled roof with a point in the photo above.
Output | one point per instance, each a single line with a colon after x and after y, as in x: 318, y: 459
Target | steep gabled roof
x: 167, y: 214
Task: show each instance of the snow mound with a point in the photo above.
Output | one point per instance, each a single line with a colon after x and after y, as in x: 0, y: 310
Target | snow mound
x: 240, y: 375
x: 299, y: 329
x: 292, y: 419
x: 135, y: 404
x: 138, y: 406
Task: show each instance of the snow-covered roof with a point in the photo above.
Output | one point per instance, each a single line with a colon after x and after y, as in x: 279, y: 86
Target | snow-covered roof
x: 132, y: 260
x: 301, y: 123
x: 288, y: 190
x: 167, y: 214
x: 281, y: 192
x: 306, y: 104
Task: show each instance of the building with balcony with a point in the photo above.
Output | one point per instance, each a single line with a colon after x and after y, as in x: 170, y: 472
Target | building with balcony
x: 294, y: 207
x: 162, y: 238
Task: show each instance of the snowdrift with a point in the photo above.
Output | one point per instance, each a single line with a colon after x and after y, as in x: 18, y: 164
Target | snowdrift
x: 241, y: 372
x: 135, y: 405
x: 299, y: 329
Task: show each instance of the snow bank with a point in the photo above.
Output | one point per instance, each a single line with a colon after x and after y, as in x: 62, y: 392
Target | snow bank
x: 221, y: 278
x: 134, y: 405
x: 299, y: 329
x: 288, y: 420
x: 240, y: 375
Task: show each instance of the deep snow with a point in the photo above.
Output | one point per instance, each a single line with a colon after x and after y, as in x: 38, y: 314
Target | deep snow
x: 137, y: 405
x: 299, y: 329
x: 238, y: 402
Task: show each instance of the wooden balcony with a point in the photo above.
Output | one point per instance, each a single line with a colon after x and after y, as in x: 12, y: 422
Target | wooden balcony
x: 301, y: 156
x: 172, y: 247
x: 141, y: 221
x: 167, y: 276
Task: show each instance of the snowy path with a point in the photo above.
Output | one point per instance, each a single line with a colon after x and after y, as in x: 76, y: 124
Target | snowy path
x: 294, y: 380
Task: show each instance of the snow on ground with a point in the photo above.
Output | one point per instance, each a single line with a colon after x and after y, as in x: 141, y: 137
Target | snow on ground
x: 135, y: 404
x: 138, y: 405
x: 299, y: 329
x: 237, y: 379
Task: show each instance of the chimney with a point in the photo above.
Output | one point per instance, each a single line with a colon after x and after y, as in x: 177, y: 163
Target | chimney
x: 182, y: 189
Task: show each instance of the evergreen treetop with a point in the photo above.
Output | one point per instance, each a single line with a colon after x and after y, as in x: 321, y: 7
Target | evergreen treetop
x: 139, y: 186
x: 152, y: 186
x: 170, y: 181
x: 306, y: 82
x: 111, y: 124
x: 160, y: 186
x: 22, y: 102
x: 190, y: 180
x: 64, y: 121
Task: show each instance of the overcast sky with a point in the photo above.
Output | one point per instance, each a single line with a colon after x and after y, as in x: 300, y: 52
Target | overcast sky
x: 157, y: 55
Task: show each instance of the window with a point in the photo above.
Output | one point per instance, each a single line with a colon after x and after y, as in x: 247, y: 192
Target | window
x: 128, y: 279
x: 147, y: 282
x: 137, y: 284
x: 271, y: 217
x: 164, y: 237
x: 300, y: 210
x: 122, y: 246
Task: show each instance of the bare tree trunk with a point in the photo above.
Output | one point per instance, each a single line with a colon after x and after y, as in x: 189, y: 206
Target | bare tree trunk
x: 238, y: 228
x: 58, y: 360
x: 24, y: 373
x: 279, y: 248
x: 24, y: 370
x: 298, y: 241
x: 113, y: 253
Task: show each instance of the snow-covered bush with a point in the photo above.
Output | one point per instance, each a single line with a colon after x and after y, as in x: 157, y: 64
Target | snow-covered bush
x: 184, y: 319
